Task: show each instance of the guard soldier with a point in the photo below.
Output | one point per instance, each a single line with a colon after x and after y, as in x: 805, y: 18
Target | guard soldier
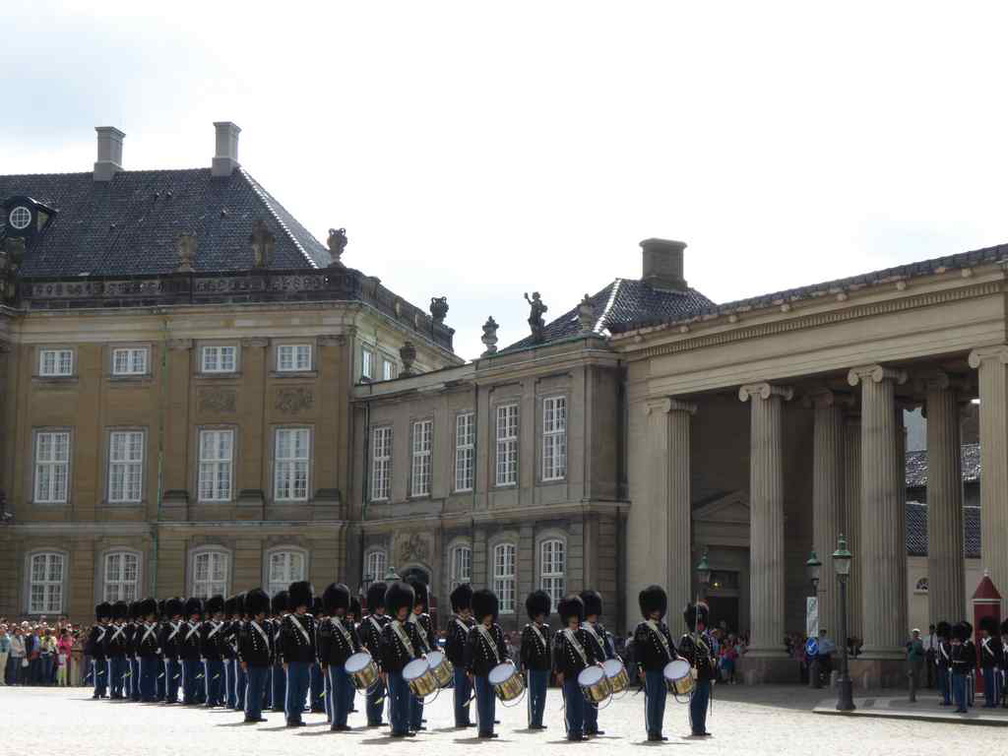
x: 279, y: 672
x: 148, y: 649
x: 990, y: 661
x: 400, y: 643
x: 1004, y: 666
x: 572, y: 652
x: 943, y: 661
x: 240, y: 680
x: 653, y: 650
x: 695, y: 646
x: 229, y: 643
x: 970, y: 649
x: 132, y: 691
x: 455, y: 644
x: 255, y: 652
x: 211, y: 635
x: 602, y: 649
x: 337, y: 642
x: 161, y: 684
x: 536, y: 658
x: 317, y: 684
x: 484, y: 651
x: 353, y: 617
x: 116, y: 645
x: 189, y: 653
x: 962, y: 664
x: 95, y: 648
x: 428, y: 642
x: 297, y: 644
x: 171, y: 643
x: 371, y: 634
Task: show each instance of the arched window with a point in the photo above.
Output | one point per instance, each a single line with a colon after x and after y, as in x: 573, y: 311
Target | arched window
x: 922, y: 585
x: 504, y: 576
x: 211, y: 569
x: 122, y: 576
x: 46, y: 575
x: 553, y: 568
x: 375, y: 565
x: 284, y: 566
x: 460, y: 565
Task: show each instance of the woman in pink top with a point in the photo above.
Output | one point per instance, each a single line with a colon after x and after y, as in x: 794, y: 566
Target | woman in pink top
x: 63, y: 647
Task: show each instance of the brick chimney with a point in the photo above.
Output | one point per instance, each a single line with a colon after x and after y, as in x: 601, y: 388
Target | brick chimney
x: 663, y: 264
x: 226, y: 157
x: 109, y: 162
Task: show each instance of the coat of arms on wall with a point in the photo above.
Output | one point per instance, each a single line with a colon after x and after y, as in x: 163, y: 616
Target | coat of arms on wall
x: 217, y: 400
x: 413, y: 547
x: 290, y: 400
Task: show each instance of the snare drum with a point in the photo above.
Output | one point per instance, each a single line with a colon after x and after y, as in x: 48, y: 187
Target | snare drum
x: 679, y: 677
x: 441, y: 668
x: 362, y: 670
x: 594, y: 684
x: 420, y: 679
x: 507, y: 681
x: 617, y: 674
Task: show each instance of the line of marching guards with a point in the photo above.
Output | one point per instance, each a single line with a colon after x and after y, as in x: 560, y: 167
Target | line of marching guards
x: 297, y: 652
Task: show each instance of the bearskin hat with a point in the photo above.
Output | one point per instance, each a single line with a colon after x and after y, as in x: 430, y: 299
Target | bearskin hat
x: 376, y: 596
x: 419, y: 592
x: 961, y: 631
x: 336, y: 596
x: 538, y: 602
x: 943, y: 630
x: 969, y: 628
x: 592, y: 602
x: 355, y: 607
x: 1004, y: 627
x: 257, y: 602
x: 461, y: 597
x: 103, y: 611
x: 174, y: 607
x: 484, y: 602
x: 989, y: 624
x: 148, y: 607
x: 571, y: 606
x: 300, y: 593
x: 397, y: 596
x: 316, y: 608
x: 193, y: 606
x: 239, y: 605
x: 120, y: 610
x: 651, y: 599
x: 161, y: 608
x: 693, y: 613
x: 133, y: 612
x: 214, y: 604
x: 229, y: 606
x: 279, y: 603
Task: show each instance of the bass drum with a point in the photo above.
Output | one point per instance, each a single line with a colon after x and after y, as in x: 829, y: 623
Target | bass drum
x: 594, y: 684
x: 507, y: 681
x: 615, y: 670
x: 441, y: 668
x: 419, y: 678
x: 680, y: 678
x: 362, y: 670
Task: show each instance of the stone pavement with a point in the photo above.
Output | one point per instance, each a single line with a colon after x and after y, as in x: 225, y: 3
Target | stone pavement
x: 927, y: 708
x: 751, y: 720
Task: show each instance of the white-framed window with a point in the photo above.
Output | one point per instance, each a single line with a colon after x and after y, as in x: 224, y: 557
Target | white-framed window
x: 367, y: 361
x: 122, y: 576
x: 554, y: 438
x: 285, y: 567
x: 507, y: 445
x: 381, y: 463
x: 130, y: 360
x: 45, y: 587
x: 293, y: 358
x: 420, y: 470
x: 55, y: 363
x: 504, y: 576
x: 126, y: 462
x: 375, y: 564
x: 291, y: 460
x: 216, y: 464
x: 52, y: 467
x: 553, y: 568
x: 210, y: 569
x: 19, y: 218
x: 219, y: 359
x: 460, y: 565
x: 465, y: 450
x: 388, y: 369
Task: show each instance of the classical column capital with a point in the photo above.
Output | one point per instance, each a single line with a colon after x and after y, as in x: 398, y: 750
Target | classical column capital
x: 180, y: 343
x: 764, y: 390
x: 877, y: 374
x: 997, y: 352
x: 331, y: 339
x: 668, y: 404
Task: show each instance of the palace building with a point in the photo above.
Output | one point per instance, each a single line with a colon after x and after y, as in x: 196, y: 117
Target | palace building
x: 198, y: 397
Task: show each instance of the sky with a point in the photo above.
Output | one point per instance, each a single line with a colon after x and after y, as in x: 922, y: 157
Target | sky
x: 479, y: 150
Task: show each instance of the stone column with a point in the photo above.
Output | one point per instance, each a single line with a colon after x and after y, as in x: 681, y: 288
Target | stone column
x: 827, y: 499
x: 883, y: 514
x: 766, y: 512
x: 946, y: 578
x: 991, y: 363
x: 852, y: 521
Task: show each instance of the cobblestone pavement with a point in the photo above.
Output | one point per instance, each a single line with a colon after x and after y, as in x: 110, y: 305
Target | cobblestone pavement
x: 764, y: 720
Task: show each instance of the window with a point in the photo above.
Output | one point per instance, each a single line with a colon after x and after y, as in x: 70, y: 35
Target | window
x: 292, y: 456
x: 210, y: 573
x: 921, y: 586
x: 129, y: 361
x: 552, y: 567
x: 460, y: 559
x: 122, y: 574
x: 381, y: 463
x: 465, y: 450
x: 216, y: 453
x: 219, y: 359
x: 55, y: 363
x: 504, y: 576
x: 285, y: 567
x: 367, y: 364
x: 293, y: 357
x: 126, y: 458
x: 45, y: 591
x: 507, y: 445
x: 20, y: 218
x: 554, y: 438
x: 420, y: 472
x: 52, y: 466
x: 374, y: 566
x: 388, y: 369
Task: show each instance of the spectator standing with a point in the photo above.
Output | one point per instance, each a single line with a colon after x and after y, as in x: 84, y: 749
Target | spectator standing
x: 17, y: 661
x: 4, y: 653
x: 64, y: 648
x: 47, y: 656
x: 915, y: 662
x: 931, y: 641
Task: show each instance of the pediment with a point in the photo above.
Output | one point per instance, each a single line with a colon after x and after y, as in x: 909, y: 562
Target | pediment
x: 732, y: 507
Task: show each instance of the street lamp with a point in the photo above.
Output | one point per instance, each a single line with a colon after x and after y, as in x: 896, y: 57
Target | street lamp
x: 703, y: 572
x: 391, y: 576
x: 812, y: 568
x: 842, y: 567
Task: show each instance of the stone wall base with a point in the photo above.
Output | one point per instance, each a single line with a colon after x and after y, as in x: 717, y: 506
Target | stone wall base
x: 757, y: 670
x: 867, y: 674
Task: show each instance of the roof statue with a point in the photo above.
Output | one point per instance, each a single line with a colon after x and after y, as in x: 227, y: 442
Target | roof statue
x: 489, y: 337
x: 185, y: 246
x: 263, y: 243
x: 336, y: 242
x: 535, y: 318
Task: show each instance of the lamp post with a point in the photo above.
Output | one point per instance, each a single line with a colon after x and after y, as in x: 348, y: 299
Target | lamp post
x: 842, y: 566
x: 703, y: 574
x: 391, y: 576
x: 812, y: 568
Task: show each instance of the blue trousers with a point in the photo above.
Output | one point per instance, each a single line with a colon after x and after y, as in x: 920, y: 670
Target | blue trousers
x: 375, y: 704
x: 316, y: 701
x: 462, y: 692
x: 99, y: 674
x: 298, y: 683
x: 213, y: 679
x: 149, y: 666
x: 590, y: 718
x: 257, y: 679
x: 229, y: 683
x: 134, y: 679
x: 399, y: 696
x: 486, y: 704
x: 538, y: 681
x: 415, y: 713
x: 241, y: 685
x: 328, y: 695
x: 959, y: 685
x: 173, y: 679
x: 160, y: 684
x: 279, y: 687
x: 992, y: 687
x: 655, y: 694
x: 698, y: 701
x: 944, y: 688
x: 970, y: 688
x: 339, y: 695
x: 192, y: 681
x: 118, y: 667
x: 574, y: 706
x: 351, y: 691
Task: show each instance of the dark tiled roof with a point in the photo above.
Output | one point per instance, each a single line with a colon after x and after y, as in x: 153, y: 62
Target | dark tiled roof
x: 129, y: 225
x: 917, y: 530
x: 922, y: 268
x: 624, y: 300
x: 917, y: 467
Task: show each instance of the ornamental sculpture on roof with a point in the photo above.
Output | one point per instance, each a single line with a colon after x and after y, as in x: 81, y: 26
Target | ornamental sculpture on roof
x: 535, y: 318
x: 185, y: 247
x: 263, y: 243
x: 336, y: 242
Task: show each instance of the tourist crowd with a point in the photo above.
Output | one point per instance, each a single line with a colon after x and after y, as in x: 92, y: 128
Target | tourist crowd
x: 40, y: 653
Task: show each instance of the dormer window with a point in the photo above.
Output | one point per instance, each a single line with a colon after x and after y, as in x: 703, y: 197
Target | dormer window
x: 19, y: 218
x: 23, y: 216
